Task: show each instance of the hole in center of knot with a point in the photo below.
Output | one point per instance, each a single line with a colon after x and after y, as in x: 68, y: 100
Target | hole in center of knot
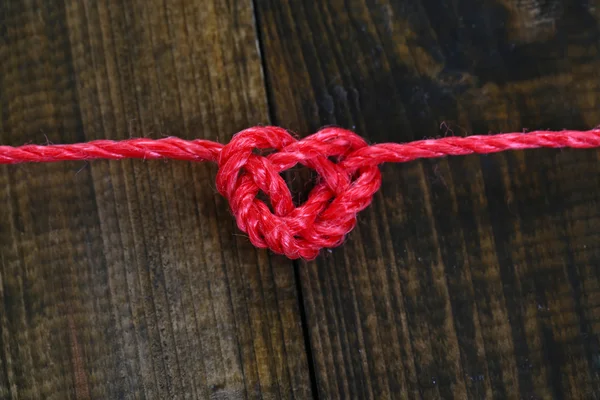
x: 300, y: 181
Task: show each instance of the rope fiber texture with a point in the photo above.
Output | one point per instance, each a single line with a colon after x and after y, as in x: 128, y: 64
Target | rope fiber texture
x: 347, y: 167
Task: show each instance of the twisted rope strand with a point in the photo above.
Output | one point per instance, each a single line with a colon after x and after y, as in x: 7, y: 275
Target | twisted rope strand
x: 347, y: 166
x: 206, y: 150
x: 459, y: 146
x: 148, y: 149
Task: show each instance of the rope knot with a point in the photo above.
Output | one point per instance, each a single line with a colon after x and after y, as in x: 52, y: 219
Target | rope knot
x: 328, y: 214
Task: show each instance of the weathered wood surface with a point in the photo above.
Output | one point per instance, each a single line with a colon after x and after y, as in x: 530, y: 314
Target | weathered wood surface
x: 471, y: 277
x: 474, y: 277
x: 129, y: 279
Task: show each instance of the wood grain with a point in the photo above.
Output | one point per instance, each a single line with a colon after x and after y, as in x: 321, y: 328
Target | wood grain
x: 469, y: 277
x: 472, y: 277
x: 129, y: 279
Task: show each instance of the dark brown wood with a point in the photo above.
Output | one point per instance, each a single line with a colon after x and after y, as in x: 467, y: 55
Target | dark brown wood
x: 471, y: 277
x: 129, y: 279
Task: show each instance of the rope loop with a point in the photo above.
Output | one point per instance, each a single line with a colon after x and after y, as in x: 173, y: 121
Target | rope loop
x: 253, y: 161
x: 328, y: 214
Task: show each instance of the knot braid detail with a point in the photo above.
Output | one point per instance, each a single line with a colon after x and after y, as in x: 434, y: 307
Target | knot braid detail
x: 330, y: 211
x: 347, y: 168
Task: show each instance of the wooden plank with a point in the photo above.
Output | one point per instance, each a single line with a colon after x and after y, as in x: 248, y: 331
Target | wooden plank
x: 471, y: 277
x: 129, y: 279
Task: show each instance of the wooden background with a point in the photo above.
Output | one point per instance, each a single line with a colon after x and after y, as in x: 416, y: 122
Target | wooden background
x: 471, y: 277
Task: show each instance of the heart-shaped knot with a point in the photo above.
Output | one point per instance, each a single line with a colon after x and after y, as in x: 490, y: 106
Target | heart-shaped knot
x: 323, y: 220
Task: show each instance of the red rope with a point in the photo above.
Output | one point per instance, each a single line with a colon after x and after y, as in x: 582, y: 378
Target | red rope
x: 346, y: 164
